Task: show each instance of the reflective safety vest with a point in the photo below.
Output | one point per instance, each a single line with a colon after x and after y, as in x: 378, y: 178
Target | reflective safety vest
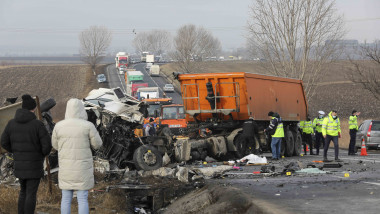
x: 330, y: 126
x: 302, y: 124
x: 307, y: 127
x: 353, y: 122
x: 318, y: 128
x: 279, y: 130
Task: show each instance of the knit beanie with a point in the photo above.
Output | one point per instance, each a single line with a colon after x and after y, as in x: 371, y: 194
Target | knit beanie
x: 28, y: 102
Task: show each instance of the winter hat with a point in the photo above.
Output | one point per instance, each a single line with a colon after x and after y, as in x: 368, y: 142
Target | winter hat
x: 354, y: 111
x: 270, y: 113
x: 28, y: 102
x: 151, y: 120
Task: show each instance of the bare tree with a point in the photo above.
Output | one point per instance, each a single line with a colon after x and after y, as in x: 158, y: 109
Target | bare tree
x: 155, y: 41
x: 297, y: 38
x: 94, y: 42
x: 141, y: 43
x: 192, y: 44
x: 366, y: 70
x: 160, y: 41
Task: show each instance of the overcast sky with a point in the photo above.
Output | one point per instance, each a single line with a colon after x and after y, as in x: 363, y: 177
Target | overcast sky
x: 52, y: 26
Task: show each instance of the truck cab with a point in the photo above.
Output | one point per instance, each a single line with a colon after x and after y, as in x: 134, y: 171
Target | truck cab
x: 154, y: 107
x: 174, y: 117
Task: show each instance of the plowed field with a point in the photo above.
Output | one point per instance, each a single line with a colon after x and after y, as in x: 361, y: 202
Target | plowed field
x: 61, y: 82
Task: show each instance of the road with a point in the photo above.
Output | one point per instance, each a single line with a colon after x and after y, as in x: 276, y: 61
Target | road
x: 117, y: 80
x: 352, y: 188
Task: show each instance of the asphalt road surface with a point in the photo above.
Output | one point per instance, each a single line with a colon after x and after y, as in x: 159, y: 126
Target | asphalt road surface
x: 117, y: 80
x: 352, y: 188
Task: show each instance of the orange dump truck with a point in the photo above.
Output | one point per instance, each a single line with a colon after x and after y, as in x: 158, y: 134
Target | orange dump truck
x: 223, y: 101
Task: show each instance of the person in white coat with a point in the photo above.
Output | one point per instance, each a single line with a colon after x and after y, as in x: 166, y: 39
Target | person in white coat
x: 73, y: 138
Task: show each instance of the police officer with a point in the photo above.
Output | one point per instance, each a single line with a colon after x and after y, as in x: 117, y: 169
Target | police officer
x: 250, y: 134
x: 276, y: 130
x: 307, y: 131
x: 150, y: 129
x: 317, y: 124
x: 331, y: 132
x: 353, y: 126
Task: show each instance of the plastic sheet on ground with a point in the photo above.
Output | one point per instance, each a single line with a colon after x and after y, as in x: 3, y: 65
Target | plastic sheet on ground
x: 253, y: 159
x: 311, y: 171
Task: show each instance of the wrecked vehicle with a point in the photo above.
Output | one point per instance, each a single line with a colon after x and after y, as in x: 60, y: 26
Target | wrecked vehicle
x: 115, y: 116
x: 221, y: 102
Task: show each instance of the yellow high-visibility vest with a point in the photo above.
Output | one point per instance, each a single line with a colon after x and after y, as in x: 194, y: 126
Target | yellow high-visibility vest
x: 308, y: 127
x: 353, y: 122
x: 330, y: 126
x: 316, y: 121
x: 279, y: 130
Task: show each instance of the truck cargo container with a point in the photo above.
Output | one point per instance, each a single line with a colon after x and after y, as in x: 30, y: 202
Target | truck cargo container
x: 143, y: 56
x: 150, y: 58
x: 134, y: 76
x: 132, y: 88
x: 223, y: 101
x: 148, y: 93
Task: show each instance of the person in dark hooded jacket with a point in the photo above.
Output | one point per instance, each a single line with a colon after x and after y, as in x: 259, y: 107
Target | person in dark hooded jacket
x: 28, y: 140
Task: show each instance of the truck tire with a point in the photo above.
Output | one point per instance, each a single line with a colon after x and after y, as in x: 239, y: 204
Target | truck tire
x: 289, y: 145
x: 147, y: 158
x: 217, y: 147
x: 240, y: 145
x: 297, y: 143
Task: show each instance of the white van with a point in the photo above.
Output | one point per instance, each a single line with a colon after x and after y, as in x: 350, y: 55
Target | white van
x: 148, y: 65
x: 154, y: 70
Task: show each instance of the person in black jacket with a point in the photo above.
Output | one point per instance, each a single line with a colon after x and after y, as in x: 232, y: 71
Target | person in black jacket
x: 251, y: 135
x: 28, y: 140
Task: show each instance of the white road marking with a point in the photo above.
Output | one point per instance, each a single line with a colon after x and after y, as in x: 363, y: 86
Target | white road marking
x: 159, y: 88
x: 373, y: 183
x: 121, y: 82
x: 118, y: 74
x: 108, y: 76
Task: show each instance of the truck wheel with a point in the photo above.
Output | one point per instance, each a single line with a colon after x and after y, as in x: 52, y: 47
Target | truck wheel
x: 289, y: 147
x: 147, y: 158
x: 240, y: 145
x: 297, y: 143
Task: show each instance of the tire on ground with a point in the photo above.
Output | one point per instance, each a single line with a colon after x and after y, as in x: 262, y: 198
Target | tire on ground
x: 240, y: 145
x: 289, y: 144
x: 297, y: 142
x: 147, y: 158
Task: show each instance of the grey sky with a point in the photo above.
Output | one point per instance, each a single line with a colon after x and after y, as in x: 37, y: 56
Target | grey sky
x: 52, y: 26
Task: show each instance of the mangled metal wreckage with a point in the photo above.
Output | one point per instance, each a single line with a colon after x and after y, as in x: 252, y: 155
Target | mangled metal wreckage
x: 116, y: 115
